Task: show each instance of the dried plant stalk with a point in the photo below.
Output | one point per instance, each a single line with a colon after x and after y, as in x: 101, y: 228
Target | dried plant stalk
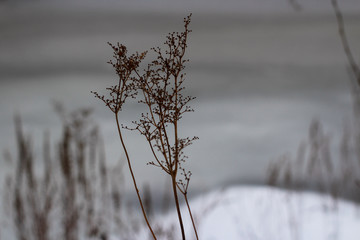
x: 160, y: 86
x: 162, y: 89
x: 124, y: 66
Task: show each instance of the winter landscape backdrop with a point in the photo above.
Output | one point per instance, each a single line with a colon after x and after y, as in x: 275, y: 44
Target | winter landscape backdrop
x: 262, y: 71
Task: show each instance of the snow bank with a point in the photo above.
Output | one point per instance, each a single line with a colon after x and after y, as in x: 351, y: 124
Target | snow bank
x: 264, y: 213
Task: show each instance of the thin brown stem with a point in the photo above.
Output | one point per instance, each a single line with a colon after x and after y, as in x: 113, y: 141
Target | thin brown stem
x: 157, y: 159
x: 147, y: 98
x: 176, y: 198
x: 133, y: 176
x: 176, y: 161
x: 191, y: 216
x: 165, y: 135
x: 344, y: 41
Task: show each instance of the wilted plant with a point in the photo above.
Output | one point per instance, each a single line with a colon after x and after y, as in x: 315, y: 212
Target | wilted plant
x: 125, y: 67
x: 160, y: 87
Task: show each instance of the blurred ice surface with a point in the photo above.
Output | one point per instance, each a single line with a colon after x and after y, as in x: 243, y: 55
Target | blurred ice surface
x: 260, y: 71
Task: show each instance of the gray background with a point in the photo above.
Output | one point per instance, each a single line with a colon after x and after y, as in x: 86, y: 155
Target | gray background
x: 260, y: 71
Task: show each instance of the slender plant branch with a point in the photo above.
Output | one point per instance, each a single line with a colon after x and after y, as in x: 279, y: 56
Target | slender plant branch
x: 176, y: 198
x: 191, y: 216
x: 161, y: 90
x: 133, y: 176
x: 183, y: 188
x: 345, y: 43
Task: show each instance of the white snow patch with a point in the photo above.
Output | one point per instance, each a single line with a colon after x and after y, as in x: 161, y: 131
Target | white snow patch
x: 264, y: 213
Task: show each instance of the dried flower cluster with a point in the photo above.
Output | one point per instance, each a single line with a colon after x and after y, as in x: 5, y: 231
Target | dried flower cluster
x: 160, y: 88
x: 125, y: 67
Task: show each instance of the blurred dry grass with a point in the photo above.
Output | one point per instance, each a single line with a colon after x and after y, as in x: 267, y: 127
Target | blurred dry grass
x: 69, y: 193
x: 315, y: 166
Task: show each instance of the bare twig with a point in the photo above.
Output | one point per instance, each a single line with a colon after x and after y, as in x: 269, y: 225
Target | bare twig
x: 345, y: 43
x: 124, y: 66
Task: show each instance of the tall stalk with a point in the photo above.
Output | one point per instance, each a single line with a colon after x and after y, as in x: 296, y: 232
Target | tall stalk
x: 133, y: 177
x: 161, y: 88
x: 124, y: 66
x: 191, y: 216
x: 178, y: 210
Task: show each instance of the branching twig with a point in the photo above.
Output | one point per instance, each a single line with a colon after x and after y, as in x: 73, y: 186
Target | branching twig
x: 160, y: 87
x: 124, y: 66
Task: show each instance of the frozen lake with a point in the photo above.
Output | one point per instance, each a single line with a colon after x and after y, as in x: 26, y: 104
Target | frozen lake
x: 259, y: 78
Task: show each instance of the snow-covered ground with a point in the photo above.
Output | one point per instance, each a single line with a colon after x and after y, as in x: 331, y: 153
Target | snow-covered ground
x: 263, y: 213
